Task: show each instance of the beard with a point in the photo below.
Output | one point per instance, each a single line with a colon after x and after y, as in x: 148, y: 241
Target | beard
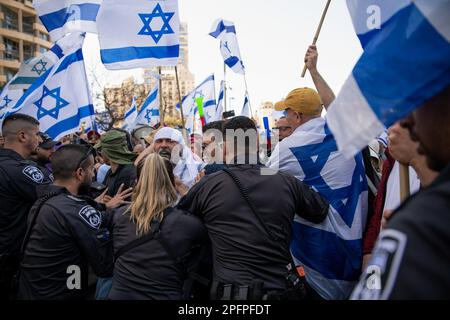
x: 85, y: 187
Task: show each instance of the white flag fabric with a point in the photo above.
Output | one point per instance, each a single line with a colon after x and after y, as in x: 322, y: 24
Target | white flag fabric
x: 138, y: 33
x: 62, y: 17
x: 8, y: 99
x: 130, y: 116
x: 32, y: 69
x: 204, y: 93
x: 404, y: 64
x: 246, y: 108
x: 149, y: 112
x: 225, y: 31
x: 220, y: 101
x: 60, y: 100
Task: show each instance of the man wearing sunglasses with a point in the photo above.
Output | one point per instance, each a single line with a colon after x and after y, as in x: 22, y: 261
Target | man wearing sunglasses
x: 66, y: 232
x: 284, y: 128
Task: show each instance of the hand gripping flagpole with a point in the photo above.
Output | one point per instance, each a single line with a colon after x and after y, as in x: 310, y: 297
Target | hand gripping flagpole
x: 316, y: 36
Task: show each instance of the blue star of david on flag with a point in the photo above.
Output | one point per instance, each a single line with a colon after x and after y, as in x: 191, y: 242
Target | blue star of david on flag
x: 147, y: 19
x: 151, y: 113
x: 6, y: 102
x: 313, y: 158
x: 59, y: 103
x: 40, y: 67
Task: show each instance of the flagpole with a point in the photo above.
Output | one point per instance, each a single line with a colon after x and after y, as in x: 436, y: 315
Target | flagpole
x: 248, y: 96
x: 181, y: 105
x: 161, y: 109
x: 404, y: 182
x: 224, y: 87
x: 316, y: 36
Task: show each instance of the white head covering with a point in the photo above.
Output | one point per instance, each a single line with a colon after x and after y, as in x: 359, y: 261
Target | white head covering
x: 187, y: 168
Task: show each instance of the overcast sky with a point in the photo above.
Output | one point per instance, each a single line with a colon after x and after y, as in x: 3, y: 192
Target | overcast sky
x: 273, y: 36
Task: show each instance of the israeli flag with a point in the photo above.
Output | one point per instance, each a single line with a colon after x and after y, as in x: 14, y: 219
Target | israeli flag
x: 60, y: 99
x: 149, y: 112
x: 246, y: 108
x: 33, y: 68
x: 138, y: 33
x: 404, y: 64
x: 219, y: 109
x: 130, y: 116
x: 229, y: 47
x: 205, y: 93
x: 330, y: 252
x: 8, y: 99
x: 61, y: 17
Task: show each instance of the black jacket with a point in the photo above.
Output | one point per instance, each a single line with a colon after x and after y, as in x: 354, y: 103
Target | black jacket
x: 411, y: 259
x: 68, y: 232
x: 157, y: 269
x: 18, y: 181
x: 126, y: 174
x: 242, y: 250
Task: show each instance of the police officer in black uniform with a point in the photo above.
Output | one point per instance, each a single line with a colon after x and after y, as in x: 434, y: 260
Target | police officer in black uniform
x: 248, y: 211
x: 66, y: 232
x: 412, y: 257
x: 18, y: 181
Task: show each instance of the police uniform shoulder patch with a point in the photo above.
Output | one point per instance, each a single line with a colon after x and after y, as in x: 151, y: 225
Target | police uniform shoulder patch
x: 91, y: 216
x: 33, y: 173
x: 378, y: 280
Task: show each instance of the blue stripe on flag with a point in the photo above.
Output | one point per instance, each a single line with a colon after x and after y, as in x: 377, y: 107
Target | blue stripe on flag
x: 70, y: 59
x: 72, y: 122
x: 57, y: 51
x: 326, y: 253
x: 24, y: 80
x: 132, y: 53
x: 231, y: 61
x: 148, y: 101
x: 220, y: 28
x: 36, y: 84
x: 75, y: 12
x: 389, y: 101
x: 209, y: 103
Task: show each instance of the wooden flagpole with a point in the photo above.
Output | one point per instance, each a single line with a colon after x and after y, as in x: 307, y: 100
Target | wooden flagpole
x: 183, y: 123
x: 404, y: 182
x: 316, y: 36
x: 161, y: 107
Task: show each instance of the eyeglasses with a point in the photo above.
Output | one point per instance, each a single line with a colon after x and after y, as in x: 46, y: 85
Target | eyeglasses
x: 85, y: 157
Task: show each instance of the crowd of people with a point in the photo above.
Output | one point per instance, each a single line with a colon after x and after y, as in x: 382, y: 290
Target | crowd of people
x: 170, y: 218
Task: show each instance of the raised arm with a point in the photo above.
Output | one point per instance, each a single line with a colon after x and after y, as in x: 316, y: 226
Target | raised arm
x: 324, y: 90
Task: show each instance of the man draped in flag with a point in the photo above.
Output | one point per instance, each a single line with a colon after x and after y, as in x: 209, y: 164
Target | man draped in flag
x: 330, y: 253
x: 407, y: 52
x: 225, y: 31
x: 61, y: 17
x: 138, y: 33
x: 202, y: 96
x: 149, y: 112
x: 60, y: 99
x: 130, y: 116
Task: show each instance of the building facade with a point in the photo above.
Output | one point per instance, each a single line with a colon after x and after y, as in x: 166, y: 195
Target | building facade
x: 22, y: 36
